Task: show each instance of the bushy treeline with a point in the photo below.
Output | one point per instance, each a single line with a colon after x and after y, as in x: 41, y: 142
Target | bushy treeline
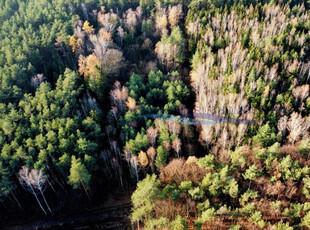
x: 248, y: 188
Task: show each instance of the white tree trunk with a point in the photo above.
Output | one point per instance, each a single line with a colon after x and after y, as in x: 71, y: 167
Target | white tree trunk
x: 38, y: 200
x: 45, y: 201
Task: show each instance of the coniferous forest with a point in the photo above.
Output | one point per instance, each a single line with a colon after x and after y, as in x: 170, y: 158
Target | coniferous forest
x: 194, y: 112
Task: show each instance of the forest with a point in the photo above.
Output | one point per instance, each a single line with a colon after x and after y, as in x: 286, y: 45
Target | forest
x: 198, y: 109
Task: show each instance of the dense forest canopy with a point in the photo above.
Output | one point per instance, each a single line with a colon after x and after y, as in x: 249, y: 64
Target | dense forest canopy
x: 203, y: 105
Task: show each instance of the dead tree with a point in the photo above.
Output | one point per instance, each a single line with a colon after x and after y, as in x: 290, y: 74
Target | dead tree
x: 34, y: 181
x: 38, y: 179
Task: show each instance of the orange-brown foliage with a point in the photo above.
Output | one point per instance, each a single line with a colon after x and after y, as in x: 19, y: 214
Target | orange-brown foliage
x: 177, y: 171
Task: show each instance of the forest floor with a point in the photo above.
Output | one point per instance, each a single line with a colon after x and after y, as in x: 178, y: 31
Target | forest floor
x: 113, y: 214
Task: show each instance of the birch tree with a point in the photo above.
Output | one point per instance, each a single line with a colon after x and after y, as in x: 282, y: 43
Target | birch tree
x: 26, y: 181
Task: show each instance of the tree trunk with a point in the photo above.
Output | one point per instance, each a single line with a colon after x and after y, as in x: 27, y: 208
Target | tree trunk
x: 85, y: 191
x: 56, y: 179
x: 38, y: 200
x: 51, y: 186
x: 17, y: 201
x: 45, y: 201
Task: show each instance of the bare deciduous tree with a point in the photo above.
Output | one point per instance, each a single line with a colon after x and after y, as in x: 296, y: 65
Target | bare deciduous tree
x: 119, y: 96
x: 167, y: 145
x: 134, y: 165
x: 151, y: 153
x: 36, y: 80
x: 38, y: 180
x: 112, y: 61
x: 132, y: 17
x: 120, y: 34
x: 176, y: 145
x: 282, y: 124
x: 108, y: 21
x: 34, y: 181
x: 174, y: 127
x: 89, y: 103
x: 161, y: 21
x: 174, y: 15
x: 152, y: 134
x: 301, y: 92
x: 296, y: 126
x: 224, y: 138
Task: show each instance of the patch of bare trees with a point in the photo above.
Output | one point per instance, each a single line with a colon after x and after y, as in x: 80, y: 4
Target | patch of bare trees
x: 224, y: 81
